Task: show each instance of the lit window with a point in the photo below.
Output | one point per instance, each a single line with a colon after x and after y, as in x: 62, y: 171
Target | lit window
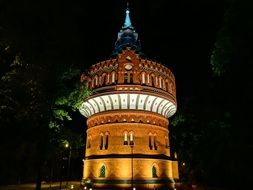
x: 113, y: 77
x: 125, y: 138
x: 143, y: 78
x: 131, y: 138
x: 102, y: 171
x: 126, y: 77
x: 96, y: 80
x: 108, y: 78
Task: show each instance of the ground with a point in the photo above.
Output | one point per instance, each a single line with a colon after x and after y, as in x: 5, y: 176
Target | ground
x: 75, y: 185
x: 45, y: 186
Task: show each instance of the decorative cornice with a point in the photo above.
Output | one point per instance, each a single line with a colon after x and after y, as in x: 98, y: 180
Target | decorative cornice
x: 144, y: 156
x: 127, y: 117
x: 105, y: 69
x: 129, y: 101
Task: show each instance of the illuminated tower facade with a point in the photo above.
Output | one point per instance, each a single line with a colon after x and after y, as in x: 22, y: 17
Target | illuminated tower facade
x: 128, y: 136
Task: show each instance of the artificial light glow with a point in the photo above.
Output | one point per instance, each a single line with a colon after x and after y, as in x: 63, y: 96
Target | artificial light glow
x: 72, y: 187
x: 135, y: 101
x: 175, y: 155
x: 66, y: 145
x: 183, y: 164
x: 85, y: 187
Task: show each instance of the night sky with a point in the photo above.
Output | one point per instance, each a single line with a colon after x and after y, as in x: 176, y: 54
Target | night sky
x: 179, y: 34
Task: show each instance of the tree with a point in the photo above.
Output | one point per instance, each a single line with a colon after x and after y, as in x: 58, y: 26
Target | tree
x: 37, y: 104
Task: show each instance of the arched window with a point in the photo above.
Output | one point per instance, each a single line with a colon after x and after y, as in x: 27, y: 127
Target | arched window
x: 108, y: 78
x: 125, y: 138
x: 126, y: 77
x: 154, y: 173
x: 131, y: 77
x: 101, y: 141
x: 131, y: 138
x: 143, y: 78
x: 152, y: 80
x: 150, y: 141
x: 160, y: 82
x: 96, y: 80
x: 102, y: 171
x: 113, y: 76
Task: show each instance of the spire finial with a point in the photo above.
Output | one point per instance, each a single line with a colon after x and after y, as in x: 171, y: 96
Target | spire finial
x: 127, y: 19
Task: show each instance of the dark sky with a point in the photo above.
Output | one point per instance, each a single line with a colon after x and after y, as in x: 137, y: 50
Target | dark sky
x: 179, y: 34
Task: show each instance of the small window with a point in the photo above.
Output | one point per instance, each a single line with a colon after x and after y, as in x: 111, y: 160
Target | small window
x: 143, y: 78
x: 125, y: 138
x: 102, y: 171
x: 131, y: 138
x: 131, y: 77
x: 108, y: 78
x: 126, y: 77
x: 154, y: 174
x: 150, y: 141
x: 155, y: 146
x: 106, y: 141
x: 160, y: 82
x: 113, y: 77
x: 96, y: 80
x: 101, y: 141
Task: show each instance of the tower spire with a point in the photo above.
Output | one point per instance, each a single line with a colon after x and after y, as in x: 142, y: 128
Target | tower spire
x: 127, y: 23
x: 127, y: 36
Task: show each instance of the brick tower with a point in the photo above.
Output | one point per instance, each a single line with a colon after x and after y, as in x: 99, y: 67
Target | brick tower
x: 128, y: 137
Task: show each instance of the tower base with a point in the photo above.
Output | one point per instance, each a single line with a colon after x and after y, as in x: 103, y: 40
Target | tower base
x: 135, y: 172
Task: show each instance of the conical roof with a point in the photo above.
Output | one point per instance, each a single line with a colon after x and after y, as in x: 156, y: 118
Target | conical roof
x: 127, y: 36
